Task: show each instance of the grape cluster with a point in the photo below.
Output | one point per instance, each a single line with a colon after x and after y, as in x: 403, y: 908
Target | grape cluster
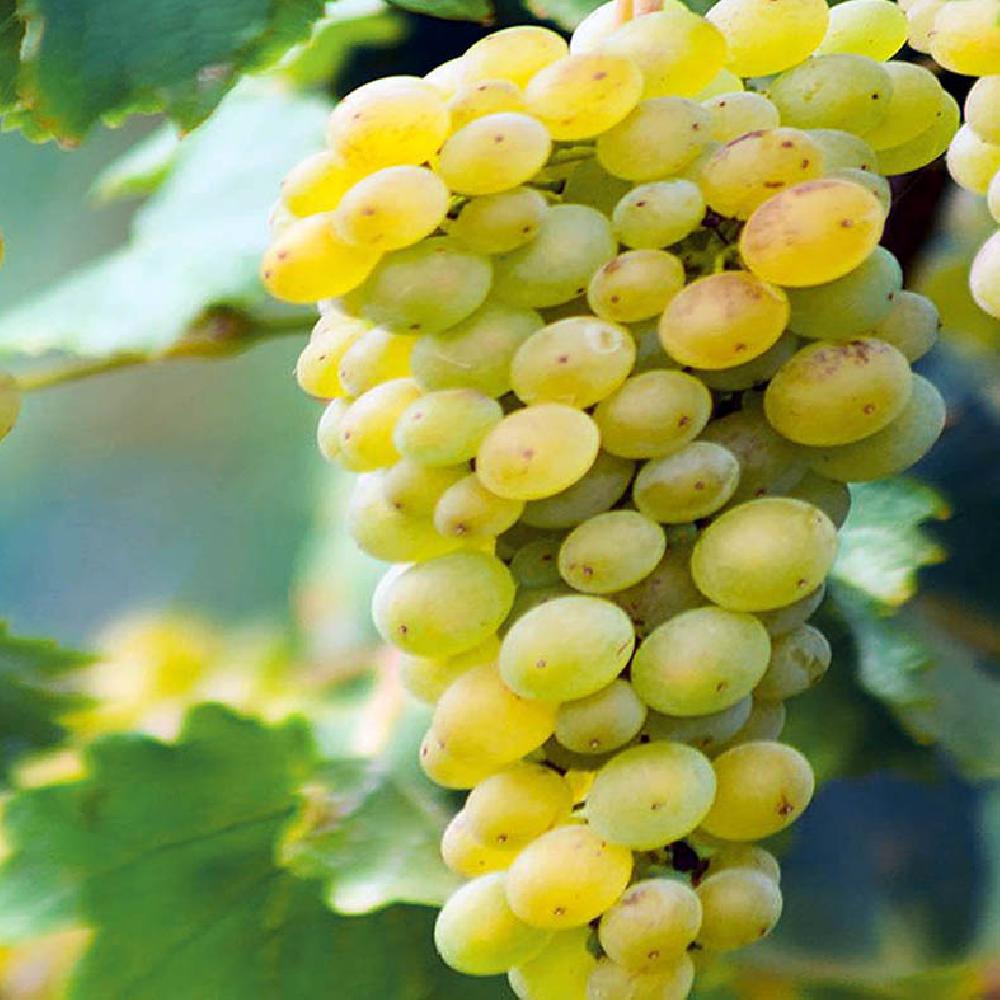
x: 965, y: 38
x: 607, y: 330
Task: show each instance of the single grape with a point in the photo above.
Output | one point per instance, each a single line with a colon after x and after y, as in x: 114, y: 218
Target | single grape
x: 706, y: 733
x: 920, y: 16
x: 413, y: 488
x: 376, y: 356
x: 466, y: 856
x: 475, y: 100
x: 536, y: 564
x: 746, y: 856
x: 876, y: 183
x: 688, y: 485
x: 765, y: 722
x: 451, y: 771
x: 762, y: 788
x: 559, y: 971
x: 566, y: 648
x: 446, y: 78
x: 873, y: 28
x: 658, y: 214
x: 984, y: 277
x: 781, y: 621
x: 665, y: 592
x: 966, y: 38
x: 365, y: 429
x: 603, y: 721
x: 316, y: 184
x: 651, y: 795
x: 844, y: 150
x: 635, y: 285
x: 609, y: 981
x: 327, y: 430
x: 982, y: 108
x: 972, y: 162
x: 595, y: 28
x: 925, y: 147
x: 598, y: 490
x: 567, y: 877
x: 916, y: 98
x: 514, y: 54
x: 799, y: 659
x: 736, y: 114
x: 468, y: 511
x: 446, y: 427
x: 316, y: 370
x: 739, y: 906
x: 427, y: 677
x: 751, y: 373
x: 499, y: 223
x: 611, y: 551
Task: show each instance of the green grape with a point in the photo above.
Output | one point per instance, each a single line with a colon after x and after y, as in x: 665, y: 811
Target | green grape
x: 566, y: 648
x: 764, y: 554
x: 830, y: 496
x: 850, y: 305
x: 841, y: 91
x: 703, y: 732
x: 307, y: 262
x: 316, y: 368
x: 734, y: 115
x: 916, y: 97
x: 590, y: 184
x: 873, y: 28
x: 603, y: 721
x: 677, y: 51
x: 449, y: 771
x: 766, y: 722
x: 537, y: 452
x: 740, y: 906
x: 768, y: 463
x: 844, y: 150
x: 573, y: 242
x: 477, y: 353
x: 611, y: 551
x: 920, y: 17
x: 576, y: 362
x: 748, y: 170
x: 723, y: 319
x: 894, y: 448
x: 559, y: 971
x: 567, y: 877
x: 514, y: 54
x: 767, y: 36
x: 833, y: 393
x: 365, y: 429
x: 665, y: 592
x: 635, y: 285
x: 688, y: 485
x: 537, y: 563
x: 966, y: 37
x: 583, y: 95
x: 925, y: 147
x: 392, y: 208
x: 494, y: 153
x: 984, y: 277
x: 993, y: 198
x: 389, y: 534
x: 446, y: 427
x: 746, y: 856
x: 652, y: 925
x: 598, y: 490
x: 426, y: 288
x: 751, y: 373
x: 724, y: 82
x: 327, y: 430
x: 972, y: 162
x: 389, y: 122
x: 609, y: 981
x: 799, y: 659
x: 427, y: 678
x: 658, y: 214
x: 472, y: 101
x: 445, y: 605
x: 982, y: 108
x: 466, y: 856
x: 468, y: 510
x: 316, y: 184
x: 499, y: 223
x: 701, y: 662
x: 479, y: 717
x: 651, y: 795
x: 528, y: 598
x: 875, y: 183
x: 762, y: 787
x: 812, y: 233
x: 414, y: 489
x: 781, y: 621
x: 659, y: 138
x: 477, y: 933
x: 653, y: 414
x: 374, y: 357
x: 518, y: 804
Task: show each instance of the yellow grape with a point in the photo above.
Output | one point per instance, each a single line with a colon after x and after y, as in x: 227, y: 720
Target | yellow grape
x: 658, y: 214
x: 762, y: 787
x: 499, y: 223
x: 427, y: 678
x: 567, y: 877
x: 812, y: 233
x: 308, y: 262
x: 494, y: 153
x: 611, y: 551
x: 767, y: 36
x: 927, y: 145
x: 873, y: 28
x: 485, y: 97
x: 328, y: 429
x: 376, y: 356
x: 690, y: 484
x: 604, y: 720
x: 450, y: 771
x: 446, y: 427
x: 843, y: 150
x: 316, y: 184
x: 518, y: 804
x: 366, y: 428
x: 966, y: 37
x: 595, y: 28
x: 746, y: 856
x: 538, y: 451
x: 920, y: 19
x: 392, y: 208
x: 580, y: 96
x: 993, y: 198
x: 764, y: 554
x: 916, y: 99
x: 737, y: 114
x: 317, y: 367
x: 514, y: 54
x: 609, y: 981
x: 392, y: 121
x: 469, y: 511
x: 972, y: 162
x: 739, y: 906
x: 724, y: 82
x: 466, y: 856
x: 559, y: 971
x: 636, y: 285
x: 984, y: 278
x: 723, y: 320
x: 446, y: 78
x: 982, y: 108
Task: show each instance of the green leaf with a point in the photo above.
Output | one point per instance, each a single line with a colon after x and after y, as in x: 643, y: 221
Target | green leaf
x: 195, y: 246
x: 375, y: 827
x: 455, y: 10
x: 142, y: 169
x: 82, y: 63
x: 11, y: 35
x: 31, y: 703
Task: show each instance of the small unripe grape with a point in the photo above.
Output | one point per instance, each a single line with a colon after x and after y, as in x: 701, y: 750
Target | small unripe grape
x: 536, y: 564
x: 765, y: 722
x: 666, y: 592
x: 706, y: 733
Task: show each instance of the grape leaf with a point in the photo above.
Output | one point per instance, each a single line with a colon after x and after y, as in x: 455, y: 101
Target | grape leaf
x: 82, y: 63
x: 142, y: 169
x: 455, y: 10
x: 31, y: 704
x: 11, y: 34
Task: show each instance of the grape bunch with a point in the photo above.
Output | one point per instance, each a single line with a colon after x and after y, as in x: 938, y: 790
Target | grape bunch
x: 964, y: 37
x: 606, y: 329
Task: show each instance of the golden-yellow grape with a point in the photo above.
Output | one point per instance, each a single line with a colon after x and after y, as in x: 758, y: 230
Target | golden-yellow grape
x: 317, y: 183
x: 972, y: 162
x: 736, y: 114
x: 873, y: 28
x: 739, y: 906
x: 366, y: 428
x: 484, y: 97
x: 317, y: 368
x: 984, y: 278
x: 467, y: 856
x: 428, y: 677
x: 636, y: 285
x: 515, y: 54
x: 559, y: 971
x: 966, y: 37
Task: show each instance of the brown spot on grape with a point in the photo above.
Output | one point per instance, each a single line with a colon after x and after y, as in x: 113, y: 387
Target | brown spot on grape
x: 403, y: 629
x: 600, y: 75
x: 846, y: 223
x: 869, y: 408
x: 540, y: 664
x: 699, y: 485
x: 595, y: 744
x: 785, y: 808
x: 282, y: 255
x: 683, y: 421
x: 640, y: 204
x: 562, y: 359
x: 497, y: 139
x: 528, y: 454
